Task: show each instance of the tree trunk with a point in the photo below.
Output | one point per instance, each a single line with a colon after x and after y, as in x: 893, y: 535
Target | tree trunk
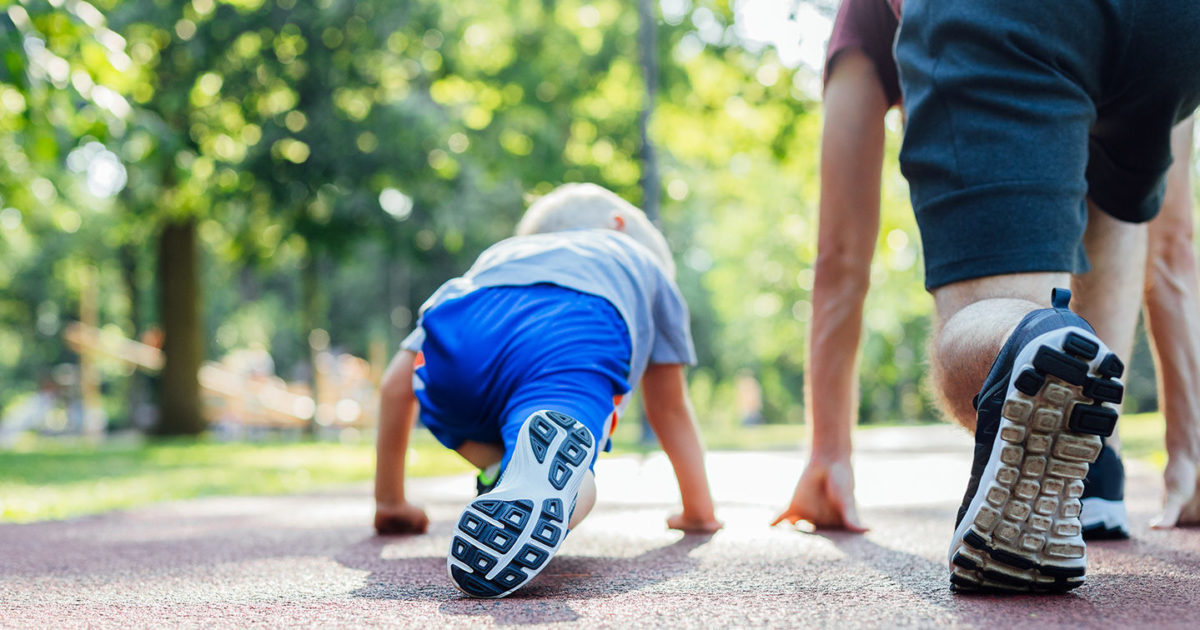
x: 179, y: 310
x: 139, y: 394
x: 310, y: 321
x: 648, y: 56
x: 128, y: 256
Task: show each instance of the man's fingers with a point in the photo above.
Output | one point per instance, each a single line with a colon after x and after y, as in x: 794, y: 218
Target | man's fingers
x: 840, y: 489
x: 790, y: 517
x: 1169, y: 516
x: 1190, y: 514
x: 852, y: 522
x: 848, y: 513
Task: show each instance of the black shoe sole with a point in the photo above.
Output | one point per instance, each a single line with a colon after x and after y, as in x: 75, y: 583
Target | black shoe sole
x: 1021, y: 532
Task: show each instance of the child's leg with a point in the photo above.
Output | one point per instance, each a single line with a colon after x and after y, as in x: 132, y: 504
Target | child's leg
x: 486, y: 457
x: 506, y: 537
x: 552, y: 430
x: 586, y: 499
x: 582, y: 395
x: 534, y: 369
x: 481, y: 454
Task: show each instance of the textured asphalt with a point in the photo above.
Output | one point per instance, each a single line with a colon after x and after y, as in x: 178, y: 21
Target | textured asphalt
x: 312, y: 561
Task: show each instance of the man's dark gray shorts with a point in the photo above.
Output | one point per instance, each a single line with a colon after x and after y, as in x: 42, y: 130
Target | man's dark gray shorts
x: 1018, y: 109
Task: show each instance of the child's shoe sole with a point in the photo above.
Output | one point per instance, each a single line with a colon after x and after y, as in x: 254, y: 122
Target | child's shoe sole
x: 507, y: 536
x: 1021, y: 531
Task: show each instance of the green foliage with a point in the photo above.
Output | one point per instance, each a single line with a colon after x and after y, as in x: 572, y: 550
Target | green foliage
x: 343, y: 158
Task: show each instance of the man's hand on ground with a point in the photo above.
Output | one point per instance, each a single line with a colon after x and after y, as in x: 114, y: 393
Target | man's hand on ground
x: 403, y: 518
x: 825, y: 497
x: 1182, y: 503
x: 693, y: 524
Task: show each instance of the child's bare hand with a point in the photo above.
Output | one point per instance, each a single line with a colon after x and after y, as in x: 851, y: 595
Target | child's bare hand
x: 825, y: 497
x: 695, y: 525
x: 402, y: 518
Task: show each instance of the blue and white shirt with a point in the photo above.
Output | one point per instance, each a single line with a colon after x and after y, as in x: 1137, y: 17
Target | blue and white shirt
x: 600, y: 262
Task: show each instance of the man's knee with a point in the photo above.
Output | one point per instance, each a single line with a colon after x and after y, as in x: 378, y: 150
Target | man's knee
x: 1035, y: 288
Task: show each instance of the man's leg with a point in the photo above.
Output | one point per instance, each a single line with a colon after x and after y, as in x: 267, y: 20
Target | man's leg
x: 1040, y: 409
x: 974, y: 318
x: 1011, y: 123
x: 1109, y: 295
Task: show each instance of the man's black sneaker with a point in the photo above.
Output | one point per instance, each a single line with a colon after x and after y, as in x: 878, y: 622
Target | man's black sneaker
x: 506, y: 537
x: 1051, y: 394
x: 1103, y: 515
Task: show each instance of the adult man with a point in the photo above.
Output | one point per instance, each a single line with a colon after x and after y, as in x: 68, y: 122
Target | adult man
x: 861, y: 85
x: 1021, y: 115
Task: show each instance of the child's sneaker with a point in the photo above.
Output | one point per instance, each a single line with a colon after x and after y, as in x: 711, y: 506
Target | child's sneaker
x: 507, y: 536
x: 487, y: 479
x: 1104, y: 516
x: 1049, y: 398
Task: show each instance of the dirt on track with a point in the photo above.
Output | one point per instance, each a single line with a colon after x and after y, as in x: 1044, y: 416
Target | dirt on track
x: 312, y: 561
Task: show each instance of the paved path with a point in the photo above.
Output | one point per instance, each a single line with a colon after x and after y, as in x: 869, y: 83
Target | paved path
x: 312, y: 560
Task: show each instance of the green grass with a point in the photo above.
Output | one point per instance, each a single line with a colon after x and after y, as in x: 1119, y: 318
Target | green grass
x: 1142, y: 437
x: 46, y: 479
x: 50, y: 480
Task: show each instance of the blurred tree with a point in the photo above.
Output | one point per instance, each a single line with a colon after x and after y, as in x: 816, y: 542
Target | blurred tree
x: 61, y: 74
x: 648, y: 54
x: 249, y: 170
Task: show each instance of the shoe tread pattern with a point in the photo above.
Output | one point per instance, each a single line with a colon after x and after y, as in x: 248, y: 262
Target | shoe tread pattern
x: 1026, y: 531
x: 489, y: 531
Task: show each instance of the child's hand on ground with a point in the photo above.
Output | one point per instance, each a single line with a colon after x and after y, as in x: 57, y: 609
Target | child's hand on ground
x: 1182, y: 503
x: 693, y: 524
x: 402, y: 518
x: 825, y: 497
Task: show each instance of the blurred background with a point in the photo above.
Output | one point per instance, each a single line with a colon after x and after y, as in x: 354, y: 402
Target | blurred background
x: 219, y: 217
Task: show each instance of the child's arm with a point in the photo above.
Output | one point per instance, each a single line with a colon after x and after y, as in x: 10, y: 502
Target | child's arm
x: 397, y: 415
x: 669, y: 411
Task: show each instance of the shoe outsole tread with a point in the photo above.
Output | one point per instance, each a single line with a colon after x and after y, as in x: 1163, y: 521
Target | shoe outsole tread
x: 1022, y: 531
x: 502, y: 541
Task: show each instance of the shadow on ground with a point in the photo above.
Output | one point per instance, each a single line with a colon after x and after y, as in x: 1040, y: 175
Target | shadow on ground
x: 425, y: 579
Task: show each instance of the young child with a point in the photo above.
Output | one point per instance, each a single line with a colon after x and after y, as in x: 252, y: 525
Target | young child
x: 525, y: 362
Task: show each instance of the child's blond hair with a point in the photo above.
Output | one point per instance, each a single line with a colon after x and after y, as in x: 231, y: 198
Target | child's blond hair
x: 579, y: 206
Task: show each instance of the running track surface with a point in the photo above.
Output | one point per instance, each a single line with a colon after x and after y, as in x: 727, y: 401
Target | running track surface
x: 313, y: 561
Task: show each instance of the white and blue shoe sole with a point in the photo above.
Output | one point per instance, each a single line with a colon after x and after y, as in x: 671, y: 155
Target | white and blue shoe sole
x: 506, y: 537
x: 1021, y: 531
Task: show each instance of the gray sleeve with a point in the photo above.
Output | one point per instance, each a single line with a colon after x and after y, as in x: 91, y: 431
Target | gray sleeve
x: 414, y: 340
x: 672, y: 327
